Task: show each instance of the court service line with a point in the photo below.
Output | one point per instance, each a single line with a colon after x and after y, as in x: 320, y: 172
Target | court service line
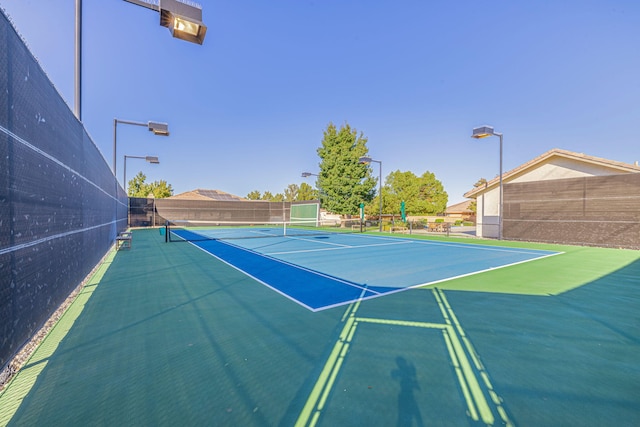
x: 255, y: 278
x: 300, y: 267
x: 306, y: 239
x: 488, y: 248
x: 302, y: 251
x: 455, y: 244
x: 276, y: 260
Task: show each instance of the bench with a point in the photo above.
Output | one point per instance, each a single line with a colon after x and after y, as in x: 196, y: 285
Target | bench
x: 123, y: 240
x: 439, y: 227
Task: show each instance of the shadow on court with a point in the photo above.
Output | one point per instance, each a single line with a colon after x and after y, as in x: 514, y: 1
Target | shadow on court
x: 172, y: 336
x: 408, y: 409
x: 569, y: 359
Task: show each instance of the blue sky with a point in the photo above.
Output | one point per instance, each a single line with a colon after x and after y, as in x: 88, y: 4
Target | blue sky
x: 247, y: 109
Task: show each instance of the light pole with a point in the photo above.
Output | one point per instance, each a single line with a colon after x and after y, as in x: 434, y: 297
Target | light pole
x: 155, y: 127
x: 484, y: 132
x: 183, y: 18
x: 151, y: 159
x: 366, y: 160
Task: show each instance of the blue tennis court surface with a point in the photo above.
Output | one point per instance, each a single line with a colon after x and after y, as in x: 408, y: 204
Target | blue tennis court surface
x: 325, y: 271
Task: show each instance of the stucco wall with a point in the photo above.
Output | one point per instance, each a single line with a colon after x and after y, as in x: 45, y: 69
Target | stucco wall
x: 488, y: 203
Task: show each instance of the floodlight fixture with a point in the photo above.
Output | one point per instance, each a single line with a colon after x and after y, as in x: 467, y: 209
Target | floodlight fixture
x: 150, y: 159
x: 183, y: 18
x: 157, y: 128
x: 484, y: 132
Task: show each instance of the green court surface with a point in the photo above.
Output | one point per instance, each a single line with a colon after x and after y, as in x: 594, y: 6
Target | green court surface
x: 165, y: 334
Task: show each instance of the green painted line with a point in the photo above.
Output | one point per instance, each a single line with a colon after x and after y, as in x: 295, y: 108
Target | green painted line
x: 467, y: 370
x: 403, y: 323
x: 315, y: 402
x: 20, y: 386
x: 497, y: 400
x: 463, y: 385
x: 472, y: 381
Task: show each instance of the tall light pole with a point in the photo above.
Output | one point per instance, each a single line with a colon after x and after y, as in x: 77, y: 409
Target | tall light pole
x: 77, y: 104
x: 366, y: 160
x: 183, y: 18
x: 150, y: 159
x: 484, y: 132
x: 155, y: 127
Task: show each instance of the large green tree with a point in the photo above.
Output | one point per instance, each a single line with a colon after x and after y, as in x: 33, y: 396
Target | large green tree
x: 423, y: 195
x: 343, y: 182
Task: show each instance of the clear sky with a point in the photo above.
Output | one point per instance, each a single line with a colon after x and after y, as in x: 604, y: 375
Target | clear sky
x: 247, y: 109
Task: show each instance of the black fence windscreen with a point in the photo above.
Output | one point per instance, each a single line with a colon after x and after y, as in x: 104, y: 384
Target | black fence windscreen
x: 594, y: 211
x: 60, y: 205
x: 145, y: 212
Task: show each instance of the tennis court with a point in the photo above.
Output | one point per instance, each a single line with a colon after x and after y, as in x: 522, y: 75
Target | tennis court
x: 321, y: 270
x: 503, y: 333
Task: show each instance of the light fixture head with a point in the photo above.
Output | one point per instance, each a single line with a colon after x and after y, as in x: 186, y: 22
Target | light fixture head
x: 159, y: 128
x: 483, y: 132
x: 152, y: 159
x: 183, y: 18
x: 306, y: 174
x: 365, y: 160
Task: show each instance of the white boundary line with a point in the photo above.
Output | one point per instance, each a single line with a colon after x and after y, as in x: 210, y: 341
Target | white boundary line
x: 365, y: 286
x: 335, y: 279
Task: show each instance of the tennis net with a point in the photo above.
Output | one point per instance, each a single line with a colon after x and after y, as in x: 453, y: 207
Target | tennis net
x: 190, y: 231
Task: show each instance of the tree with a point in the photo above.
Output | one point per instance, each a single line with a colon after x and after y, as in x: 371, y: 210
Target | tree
x: 307, y: 192
x: 254, y: 195
x: 291, y: 193
x: 343, y: 182
x: 160, y: 189
x: 422, y: 195
x: 137, y: 187
x: 267, y: 195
